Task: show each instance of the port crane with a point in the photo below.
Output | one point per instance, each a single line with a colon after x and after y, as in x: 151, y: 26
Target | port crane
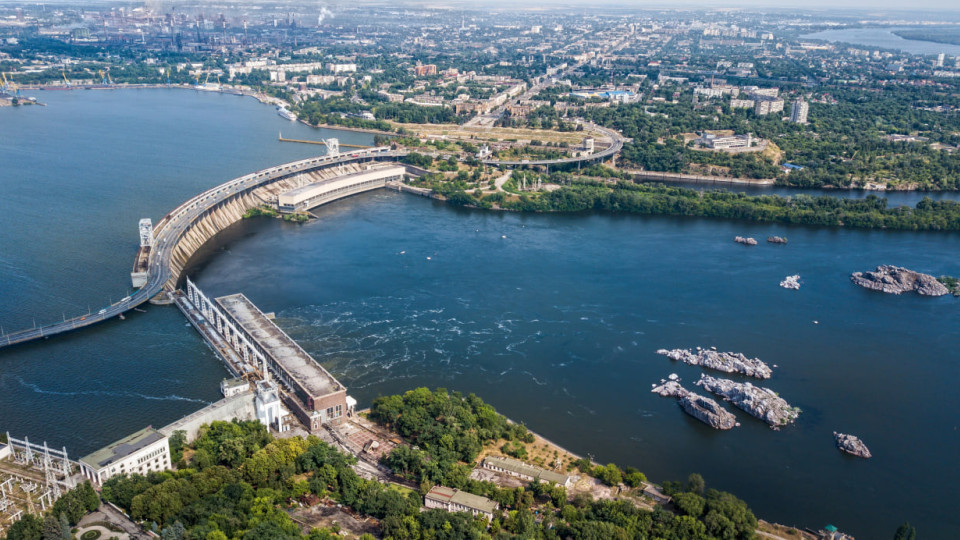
x: 65, y: 79
x: 105, y: 77
x: 9, y: 86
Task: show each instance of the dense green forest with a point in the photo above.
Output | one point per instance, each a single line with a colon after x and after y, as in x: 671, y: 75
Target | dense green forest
x: 871, y: 212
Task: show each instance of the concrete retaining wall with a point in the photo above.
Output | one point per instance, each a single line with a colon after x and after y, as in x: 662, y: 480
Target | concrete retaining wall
x: 240, y: 407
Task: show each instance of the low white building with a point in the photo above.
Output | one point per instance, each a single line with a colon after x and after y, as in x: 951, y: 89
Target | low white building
x: 232, y: 387
x: 525, y: 471
x: 140, y: 453
x: 454, y: 500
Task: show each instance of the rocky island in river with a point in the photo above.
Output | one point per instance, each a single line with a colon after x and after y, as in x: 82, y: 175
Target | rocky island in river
x: 760, y: 402
x: 726, y: 362
x: 851, y: 445
x: 702, y: 408
x: 896, y: 280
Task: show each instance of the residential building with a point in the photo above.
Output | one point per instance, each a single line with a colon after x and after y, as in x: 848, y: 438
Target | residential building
x: 342, y: 68
x: 454, y: 500
x: 145, y: 451
x: 424, y: 70
x: 798, y: 112
x: 766, y: 105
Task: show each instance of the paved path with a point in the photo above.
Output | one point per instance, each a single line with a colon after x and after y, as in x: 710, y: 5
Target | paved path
x: 112, y: 515
x: 499, y: 182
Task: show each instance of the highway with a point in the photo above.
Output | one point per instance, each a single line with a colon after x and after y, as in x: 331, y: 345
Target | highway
x: 617, y: 145
x: 171, y: 228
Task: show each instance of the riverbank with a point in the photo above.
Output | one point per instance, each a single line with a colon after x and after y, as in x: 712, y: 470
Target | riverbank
x: 668, y: 177
x: 649, y: 199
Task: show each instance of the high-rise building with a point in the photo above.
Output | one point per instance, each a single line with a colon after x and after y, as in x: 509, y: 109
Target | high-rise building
x: 940, y: 58
x: 798, y: 113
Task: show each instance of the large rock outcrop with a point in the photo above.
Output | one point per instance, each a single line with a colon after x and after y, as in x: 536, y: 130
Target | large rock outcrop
x: 896, y: 280
x: 702, y: 408
x: 760, y: 402
x: 707, y: 411
x: 726, y: 362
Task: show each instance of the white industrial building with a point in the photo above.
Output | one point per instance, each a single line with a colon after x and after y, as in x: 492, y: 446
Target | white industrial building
x: 709, y: 140
x: 304, y: 198
x: 140, y: 453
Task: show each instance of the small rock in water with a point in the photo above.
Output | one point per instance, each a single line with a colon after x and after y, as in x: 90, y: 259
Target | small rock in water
x: 673, y: 376
x: 745, y: 241
x: 851, y: 445
x: 791, y: 282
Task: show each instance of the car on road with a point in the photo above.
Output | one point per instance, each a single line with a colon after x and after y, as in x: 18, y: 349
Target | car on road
x: 125, y: 299
x: 102, y: 311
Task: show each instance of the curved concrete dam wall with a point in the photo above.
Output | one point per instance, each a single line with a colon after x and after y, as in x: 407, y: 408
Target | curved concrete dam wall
x: 231, y: 210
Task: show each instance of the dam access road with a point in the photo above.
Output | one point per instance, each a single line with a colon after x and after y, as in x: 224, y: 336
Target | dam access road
x: 172, y: 245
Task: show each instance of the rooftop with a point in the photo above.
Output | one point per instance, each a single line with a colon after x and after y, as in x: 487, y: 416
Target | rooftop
x: 298, y: 195
x: 469, y: 500
x: 278, y: 345
x: 526, y: 469
x: 118, y: 450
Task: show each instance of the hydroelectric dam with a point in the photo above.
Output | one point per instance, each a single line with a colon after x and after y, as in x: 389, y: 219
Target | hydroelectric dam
x: 166, y: 246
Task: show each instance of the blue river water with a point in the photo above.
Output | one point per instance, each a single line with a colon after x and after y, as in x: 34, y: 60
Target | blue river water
x: 884, y: 38
x: 556, y: 324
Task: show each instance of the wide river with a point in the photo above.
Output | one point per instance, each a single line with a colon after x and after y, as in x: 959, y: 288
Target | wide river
x: 554, y: 319
x: 884, y: 38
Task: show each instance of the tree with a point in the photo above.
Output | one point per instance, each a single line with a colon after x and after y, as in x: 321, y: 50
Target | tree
x: 174, y: 532
x: 695, y: 484
x: 177, y: 441
x: 28, y: 527
x: 690, y: 504
x: 65, y: 528
x: 51, y: 528
x: 905, y: 532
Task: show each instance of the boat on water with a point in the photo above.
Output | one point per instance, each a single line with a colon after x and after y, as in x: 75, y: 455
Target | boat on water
x: 283, y: 112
